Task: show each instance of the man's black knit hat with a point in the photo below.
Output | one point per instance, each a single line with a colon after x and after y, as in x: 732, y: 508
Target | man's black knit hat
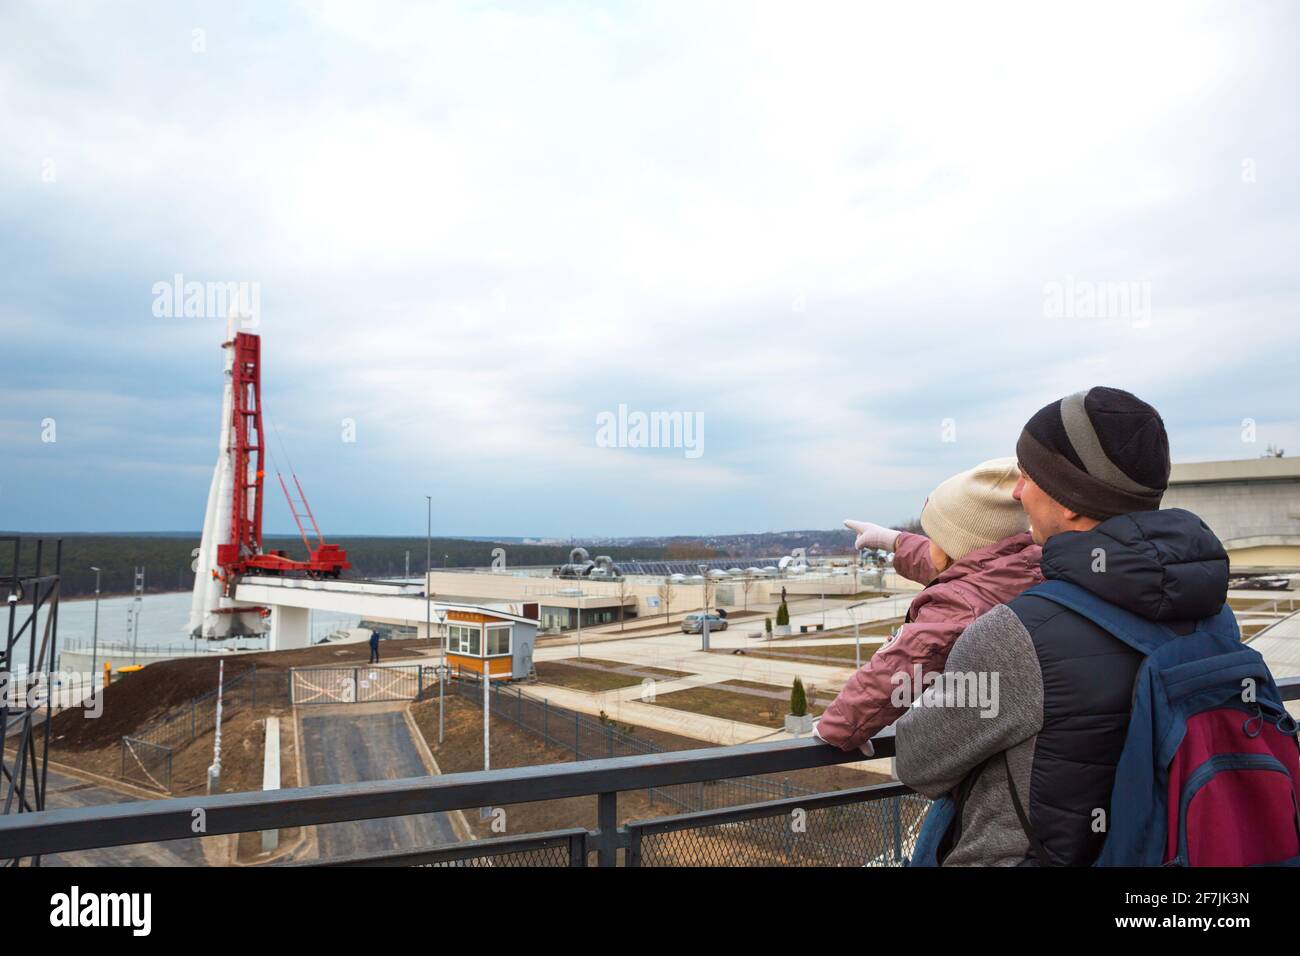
x: 1103, y: 452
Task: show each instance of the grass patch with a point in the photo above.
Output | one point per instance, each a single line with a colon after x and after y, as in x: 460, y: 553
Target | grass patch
x: 833, y: 655
x: 875, y: 629
x: 594, y: 675
x: 712, y: 701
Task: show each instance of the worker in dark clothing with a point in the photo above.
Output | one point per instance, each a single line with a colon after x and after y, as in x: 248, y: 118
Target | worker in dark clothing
x: 374, y: 647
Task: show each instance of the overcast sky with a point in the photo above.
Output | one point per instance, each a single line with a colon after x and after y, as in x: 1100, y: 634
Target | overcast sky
x: 839, y: 234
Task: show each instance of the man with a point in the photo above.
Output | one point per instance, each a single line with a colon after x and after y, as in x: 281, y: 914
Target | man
x: 374, y: 647
x: 1094, y: 467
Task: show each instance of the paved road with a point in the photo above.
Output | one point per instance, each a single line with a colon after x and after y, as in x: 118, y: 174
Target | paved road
x: 65, y: 791
x: 354, y: 747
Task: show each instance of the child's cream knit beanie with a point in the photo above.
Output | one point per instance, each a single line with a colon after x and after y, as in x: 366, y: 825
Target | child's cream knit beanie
x: 975, y: 509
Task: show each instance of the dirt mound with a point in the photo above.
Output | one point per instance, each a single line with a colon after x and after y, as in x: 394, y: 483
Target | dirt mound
x: 134, y: 700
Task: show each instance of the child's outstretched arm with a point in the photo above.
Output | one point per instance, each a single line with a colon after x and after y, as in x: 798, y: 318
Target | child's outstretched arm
x: 874, y: 697
x: 912, y: 558
x: 911, y: 551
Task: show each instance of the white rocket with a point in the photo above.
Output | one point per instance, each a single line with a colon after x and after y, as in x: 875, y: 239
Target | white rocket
x: 208, y: 600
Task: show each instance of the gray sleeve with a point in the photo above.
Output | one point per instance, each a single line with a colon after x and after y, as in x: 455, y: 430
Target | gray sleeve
x: 989, y: 698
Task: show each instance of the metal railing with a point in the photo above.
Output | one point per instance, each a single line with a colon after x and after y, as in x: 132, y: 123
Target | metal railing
x: 589, y: 738
x: 81, y: 828
x: 769, y: 833
x: 116, y: 652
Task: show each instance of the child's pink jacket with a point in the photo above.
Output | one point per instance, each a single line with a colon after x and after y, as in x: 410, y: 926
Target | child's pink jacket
x: 977, y: 583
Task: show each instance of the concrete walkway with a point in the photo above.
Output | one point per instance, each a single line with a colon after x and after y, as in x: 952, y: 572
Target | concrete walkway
x: 682, y: 653
x: 351, y: 743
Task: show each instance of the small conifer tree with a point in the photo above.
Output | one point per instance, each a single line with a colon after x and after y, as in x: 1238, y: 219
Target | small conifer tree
x: 798, y: 699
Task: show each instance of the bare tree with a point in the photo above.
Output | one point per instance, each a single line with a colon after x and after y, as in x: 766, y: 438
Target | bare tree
x: 666, y: 595
x: 746, y: 583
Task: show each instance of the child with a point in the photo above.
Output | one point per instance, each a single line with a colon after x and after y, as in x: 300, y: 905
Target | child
x: 976, y: 553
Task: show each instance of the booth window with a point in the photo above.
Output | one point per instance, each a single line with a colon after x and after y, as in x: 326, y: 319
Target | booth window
x: 498, y: 640
x: 462, y: 639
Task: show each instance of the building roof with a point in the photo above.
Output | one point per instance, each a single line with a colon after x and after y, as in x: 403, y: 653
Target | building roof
x: 1246, y: 469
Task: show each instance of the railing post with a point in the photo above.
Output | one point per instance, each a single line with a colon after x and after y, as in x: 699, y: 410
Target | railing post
x: 607, y: 824
x: 577, y: 737
x: 578, y: 850
x: 193, y: 719
x: 546, y: 720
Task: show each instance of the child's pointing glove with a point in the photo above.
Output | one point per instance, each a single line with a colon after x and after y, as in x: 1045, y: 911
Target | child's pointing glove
x: 872, y: 535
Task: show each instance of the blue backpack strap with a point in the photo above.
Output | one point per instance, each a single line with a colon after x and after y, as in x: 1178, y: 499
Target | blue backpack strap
x: 1140, y: 634
x: 1220, y: 661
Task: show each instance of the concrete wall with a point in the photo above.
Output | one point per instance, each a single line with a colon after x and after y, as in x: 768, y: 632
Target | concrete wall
x: 1257, y: 520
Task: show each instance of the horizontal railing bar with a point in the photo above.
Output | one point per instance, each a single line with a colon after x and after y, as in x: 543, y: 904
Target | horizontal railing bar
x: 148, y: 821
x: 768, y: 808
x: 80, y: 828
x: 471, y: 849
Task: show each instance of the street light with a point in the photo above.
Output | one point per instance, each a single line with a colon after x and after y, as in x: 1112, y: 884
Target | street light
x: 442, y: 671
x: 428, y: 567
x: 704, y: 618
x: 94, y: 646
x: 857, y: 647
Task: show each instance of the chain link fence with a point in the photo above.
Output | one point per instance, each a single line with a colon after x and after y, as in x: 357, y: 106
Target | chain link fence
x: 147, y: 754
x: 881, y: 831
x: 872, y: 833
x: 147, y: 764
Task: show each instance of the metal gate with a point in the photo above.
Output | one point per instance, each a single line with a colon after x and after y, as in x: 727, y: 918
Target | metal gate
x: 355, y: 685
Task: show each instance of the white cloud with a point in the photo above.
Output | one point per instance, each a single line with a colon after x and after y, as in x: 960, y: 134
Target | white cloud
x: 477, y: 224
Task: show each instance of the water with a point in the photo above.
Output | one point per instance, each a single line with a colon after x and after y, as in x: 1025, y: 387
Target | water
x: 163, y: 624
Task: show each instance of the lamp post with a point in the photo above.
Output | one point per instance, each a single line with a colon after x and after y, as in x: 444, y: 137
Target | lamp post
x: 857, y: 646
x: 704, y: 618
x: 442, y: 672
x: 94, y: 641
x: 487, y: 704
x: 428, y: 567
x: 580, y: 595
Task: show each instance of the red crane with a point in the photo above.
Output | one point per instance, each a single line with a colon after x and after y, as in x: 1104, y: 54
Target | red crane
x: 244, y: 553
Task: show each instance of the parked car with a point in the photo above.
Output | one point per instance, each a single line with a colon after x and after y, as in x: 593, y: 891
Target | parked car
x: 694, y: 623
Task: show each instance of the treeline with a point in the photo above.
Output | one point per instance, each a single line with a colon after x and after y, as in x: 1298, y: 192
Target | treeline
x: 166, y: 559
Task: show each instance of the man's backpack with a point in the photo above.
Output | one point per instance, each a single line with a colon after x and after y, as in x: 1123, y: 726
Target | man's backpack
x: 1210, y: 771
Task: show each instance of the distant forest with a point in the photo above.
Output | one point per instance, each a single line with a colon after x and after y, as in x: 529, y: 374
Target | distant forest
x: 166, y: 559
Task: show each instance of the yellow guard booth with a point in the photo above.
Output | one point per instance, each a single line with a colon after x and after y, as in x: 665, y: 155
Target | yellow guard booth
x: 501, y: 643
